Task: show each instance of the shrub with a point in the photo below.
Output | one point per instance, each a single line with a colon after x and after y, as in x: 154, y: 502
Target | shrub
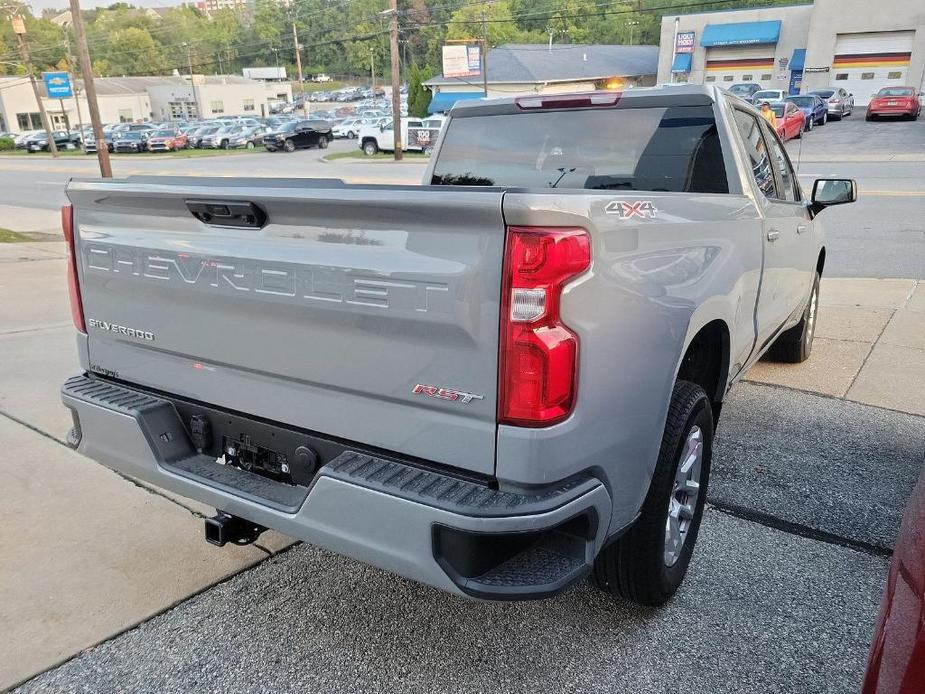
x: 7, y: 144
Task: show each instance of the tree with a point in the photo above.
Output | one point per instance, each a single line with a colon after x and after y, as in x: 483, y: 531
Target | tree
x: 418, y: 95
x: 134, y: 52
x: 466, y: 23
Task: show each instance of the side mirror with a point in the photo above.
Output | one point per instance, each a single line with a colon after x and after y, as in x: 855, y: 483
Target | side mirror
x: 833, y: 191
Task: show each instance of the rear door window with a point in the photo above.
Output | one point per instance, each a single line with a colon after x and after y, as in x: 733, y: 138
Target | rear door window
x: 757, y: 150
x: 675, y: 149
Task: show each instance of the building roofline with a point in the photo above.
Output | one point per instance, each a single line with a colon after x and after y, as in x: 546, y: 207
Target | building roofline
x: 738, y: 9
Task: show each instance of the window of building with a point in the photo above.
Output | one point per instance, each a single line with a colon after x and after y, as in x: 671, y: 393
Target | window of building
x: 126, y: 115
x: 766, y: 78
x: 867, y: 75
x: 248, y: 104
x: 711, y: 78
x: 894, y: 75
x: 217, y: 106
x: 747, y: 78
x: 728, y: 78
x: 841, y: 76
x: 681, y: 77
x: 29, y: 121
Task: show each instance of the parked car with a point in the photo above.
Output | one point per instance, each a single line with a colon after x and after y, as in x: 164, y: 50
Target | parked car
x: 167, y: 140
x: 813, y: 107
x: 196, y: 137
x: 483, y: 383
x: 790, y: 120
x: 349, y: 128
x: 130, y: 141
x: 896, y: 664
x: 39, y: 141
x: 769, y: 95
x: 839, y: 102
x: 220, y: 138
x: 299, y: 135
x: 20, y: 141
x: 745, y: 90
x: 247, y: 137
x: 903, y: 102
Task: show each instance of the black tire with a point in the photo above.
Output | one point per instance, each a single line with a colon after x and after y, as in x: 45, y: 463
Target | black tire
x: 868, y: 117
x: 809, y: 125
x: 289, y: 146
x: 370, y: 148
x: 795, y: 345
x: 635, y: 567
x: 248, y: 145
x: 351, y: 135
x: 322, y: 142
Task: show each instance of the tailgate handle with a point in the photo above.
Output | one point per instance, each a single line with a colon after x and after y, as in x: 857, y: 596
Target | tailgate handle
x: 228, y: 213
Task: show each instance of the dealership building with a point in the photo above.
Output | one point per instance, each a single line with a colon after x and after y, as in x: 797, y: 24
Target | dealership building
x: 830, y: 43
x: 128, y: 99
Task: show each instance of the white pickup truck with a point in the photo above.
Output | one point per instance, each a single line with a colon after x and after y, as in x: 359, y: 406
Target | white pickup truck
x: 495, y: 383
x: 417, y: 135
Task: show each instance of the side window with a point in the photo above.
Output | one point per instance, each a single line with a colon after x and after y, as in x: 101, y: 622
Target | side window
x: 786, y: 177
x: 750, y: 131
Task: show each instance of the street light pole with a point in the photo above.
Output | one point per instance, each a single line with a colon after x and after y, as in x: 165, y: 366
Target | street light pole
x: 19, y: 28
x: 86, y: 70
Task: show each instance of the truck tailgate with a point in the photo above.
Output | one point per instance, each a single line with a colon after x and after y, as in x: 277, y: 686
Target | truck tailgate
x: 327, y: 318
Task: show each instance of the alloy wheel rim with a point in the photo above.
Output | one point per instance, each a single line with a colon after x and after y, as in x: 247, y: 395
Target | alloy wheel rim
x: 682, y: 504
x: 811, y: 315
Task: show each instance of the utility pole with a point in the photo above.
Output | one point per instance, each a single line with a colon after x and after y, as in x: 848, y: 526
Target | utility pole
x: 19, y: 28
x: 396, y: 77
x: 192, y: 83
x: 86, y: 70
x: 71, y: 64
x: 298, y: 50
x: 372, y: 67
x: 484, y: 56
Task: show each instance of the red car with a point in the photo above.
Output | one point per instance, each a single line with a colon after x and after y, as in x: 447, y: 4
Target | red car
x: 790, y: 120
x: 897, y: 656
x: 895, y: 101
x: 167, y: 140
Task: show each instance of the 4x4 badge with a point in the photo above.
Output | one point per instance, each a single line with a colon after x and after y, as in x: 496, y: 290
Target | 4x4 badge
x: 627, y: 210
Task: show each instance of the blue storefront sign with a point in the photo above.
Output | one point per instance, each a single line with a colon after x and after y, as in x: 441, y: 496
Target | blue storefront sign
x: 58, y: 85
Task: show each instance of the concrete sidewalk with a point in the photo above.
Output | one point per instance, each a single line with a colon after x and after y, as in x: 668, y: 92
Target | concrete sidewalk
x: 869, y: 346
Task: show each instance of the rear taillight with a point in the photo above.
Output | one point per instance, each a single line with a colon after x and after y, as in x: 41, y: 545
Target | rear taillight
x: 538, y: 365
x: 833, y: 100
x: 77, y: 309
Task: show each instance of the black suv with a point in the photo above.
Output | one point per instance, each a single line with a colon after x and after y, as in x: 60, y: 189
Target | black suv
x: 299, y: 135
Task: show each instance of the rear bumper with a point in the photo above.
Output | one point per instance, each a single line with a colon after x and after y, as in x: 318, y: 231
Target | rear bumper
x: 891, y: 111
x: 425, y: 525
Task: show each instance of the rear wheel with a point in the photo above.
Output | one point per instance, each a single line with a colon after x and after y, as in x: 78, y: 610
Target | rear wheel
x: 649, y: 562
x: 809, y: 125
x: 795, y: 345
x: 322, y: 142
x: 249, y: 145
x: 289, y: 146
x: 351, y: 135
x: 370, y: 148
x: 825, y: 118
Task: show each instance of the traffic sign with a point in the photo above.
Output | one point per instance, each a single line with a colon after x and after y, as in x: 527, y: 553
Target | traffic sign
x: 58, y: 85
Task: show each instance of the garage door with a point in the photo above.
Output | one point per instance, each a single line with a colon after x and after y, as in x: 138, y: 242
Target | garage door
x: 727, y: 66
x: 864, y: 63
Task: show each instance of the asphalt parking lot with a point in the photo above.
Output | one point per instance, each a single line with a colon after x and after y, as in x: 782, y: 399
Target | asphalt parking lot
x: 113, y: 589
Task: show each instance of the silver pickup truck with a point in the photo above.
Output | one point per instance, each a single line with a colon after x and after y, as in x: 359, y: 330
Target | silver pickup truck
x: 495, y: 383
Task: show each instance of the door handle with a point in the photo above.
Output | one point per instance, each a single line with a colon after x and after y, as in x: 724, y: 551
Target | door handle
x: 228, y: 213
x: 773, y: 235
x: 801, y: 228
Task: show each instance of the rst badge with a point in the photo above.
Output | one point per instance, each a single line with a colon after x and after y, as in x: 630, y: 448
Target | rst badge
x: 644, y: 209
x: 446, y: 393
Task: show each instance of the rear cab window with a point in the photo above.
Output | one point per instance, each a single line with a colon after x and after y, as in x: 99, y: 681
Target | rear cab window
x: 671, y: 149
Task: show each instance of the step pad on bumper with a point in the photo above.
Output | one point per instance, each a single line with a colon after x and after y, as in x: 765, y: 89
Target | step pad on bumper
x: 448, y: 492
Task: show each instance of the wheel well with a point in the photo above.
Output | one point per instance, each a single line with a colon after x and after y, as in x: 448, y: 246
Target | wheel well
x: 821, y: 262
x: 706, y: 362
